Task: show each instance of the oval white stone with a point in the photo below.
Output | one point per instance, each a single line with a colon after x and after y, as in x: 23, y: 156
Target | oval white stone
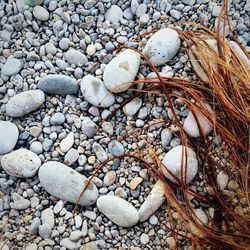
x: 118, y: 210
x: 173, y: 162
x: 95, y: 92
x: 153, y: 201
x: 191, y: 127
x: 8, y: 136
x: 162, y: 46
x: 21, y: 163
x: 66, y: 184
x: 121, y: 71
x: 25, y: 102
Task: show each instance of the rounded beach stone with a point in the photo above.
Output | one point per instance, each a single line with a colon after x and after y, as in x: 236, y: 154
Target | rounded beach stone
x: 21, y: 163
x: 8, y: 136
x: 132, y: 107
x: 25, y: 102
x: 118, y: 210
x: 162, y: 46
x: 95, y: 92
x: 40, y: 13
x: 153, y: 201
x: 11, y: 67
x: 114, y: 14
x: 66, y: 184
x: 58, y: 84
x: 121, y: 71
x: 191, y: 127
x: 76, y: 57
x: 173, y: 163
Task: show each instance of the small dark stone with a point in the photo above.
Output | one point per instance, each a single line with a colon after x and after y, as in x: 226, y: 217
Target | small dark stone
x: 116, y: 164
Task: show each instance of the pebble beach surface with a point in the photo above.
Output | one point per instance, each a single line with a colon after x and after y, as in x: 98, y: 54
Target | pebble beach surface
x: 61, y: 79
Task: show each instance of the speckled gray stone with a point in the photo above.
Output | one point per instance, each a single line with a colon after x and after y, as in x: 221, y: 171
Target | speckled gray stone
x: 58, y: 84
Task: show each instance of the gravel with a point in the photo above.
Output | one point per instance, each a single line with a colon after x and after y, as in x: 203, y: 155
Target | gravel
x: 62, y: 85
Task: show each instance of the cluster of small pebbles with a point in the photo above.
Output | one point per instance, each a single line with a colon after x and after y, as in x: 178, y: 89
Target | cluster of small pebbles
x: 61, y: 83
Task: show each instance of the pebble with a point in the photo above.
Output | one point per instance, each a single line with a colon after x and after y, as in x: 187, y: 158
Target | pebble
x: 58, y: 84
x: 35, y: 225
x: 11, y: 67
x: 99, y: 152
x: 237, y: 49
x: 76, y: 57
x: 69, y: 244
x: 89, y: 246
x: 47, y: 217
x: 24, y: 103
x: 166, y: 137
x: 115, y: 147
x: 71, y: 157
x: 109, y: 178
x: 20, y: 203
x: 50, y: 48
x: 57, y: 119
x: 58, y: 207
x: 222, y: 180
x: 144, y: 239
x: 64, y: 43
x: 36, y: 147
x: 162, y: 46
x: 152, y: 202
x: 89, y: 128
x: 118, y: 210
x: 135, y: 182
x: 132, y: 107
x: 67, y: 142
x: 75, y: 235
x: 44, y: 231
x: 202, y: 217
x: 120, y: 192
x: 175, y: 14
x: 9, y: 135
x: 108, y: 128
x: 40, y: 13
x: 173, y: 162
x: 114, y: 14
x: 21, y: 163
x: 91, y: 49
x: 31, y: 246
x: 67, y: 184
x: 95, y: 92
x: 121, y: 71
x: 191, y: 127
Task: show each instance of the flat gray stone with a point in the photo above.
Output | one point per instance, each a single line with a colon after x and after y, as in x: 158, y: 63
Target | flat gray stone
x: 58, y: 84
